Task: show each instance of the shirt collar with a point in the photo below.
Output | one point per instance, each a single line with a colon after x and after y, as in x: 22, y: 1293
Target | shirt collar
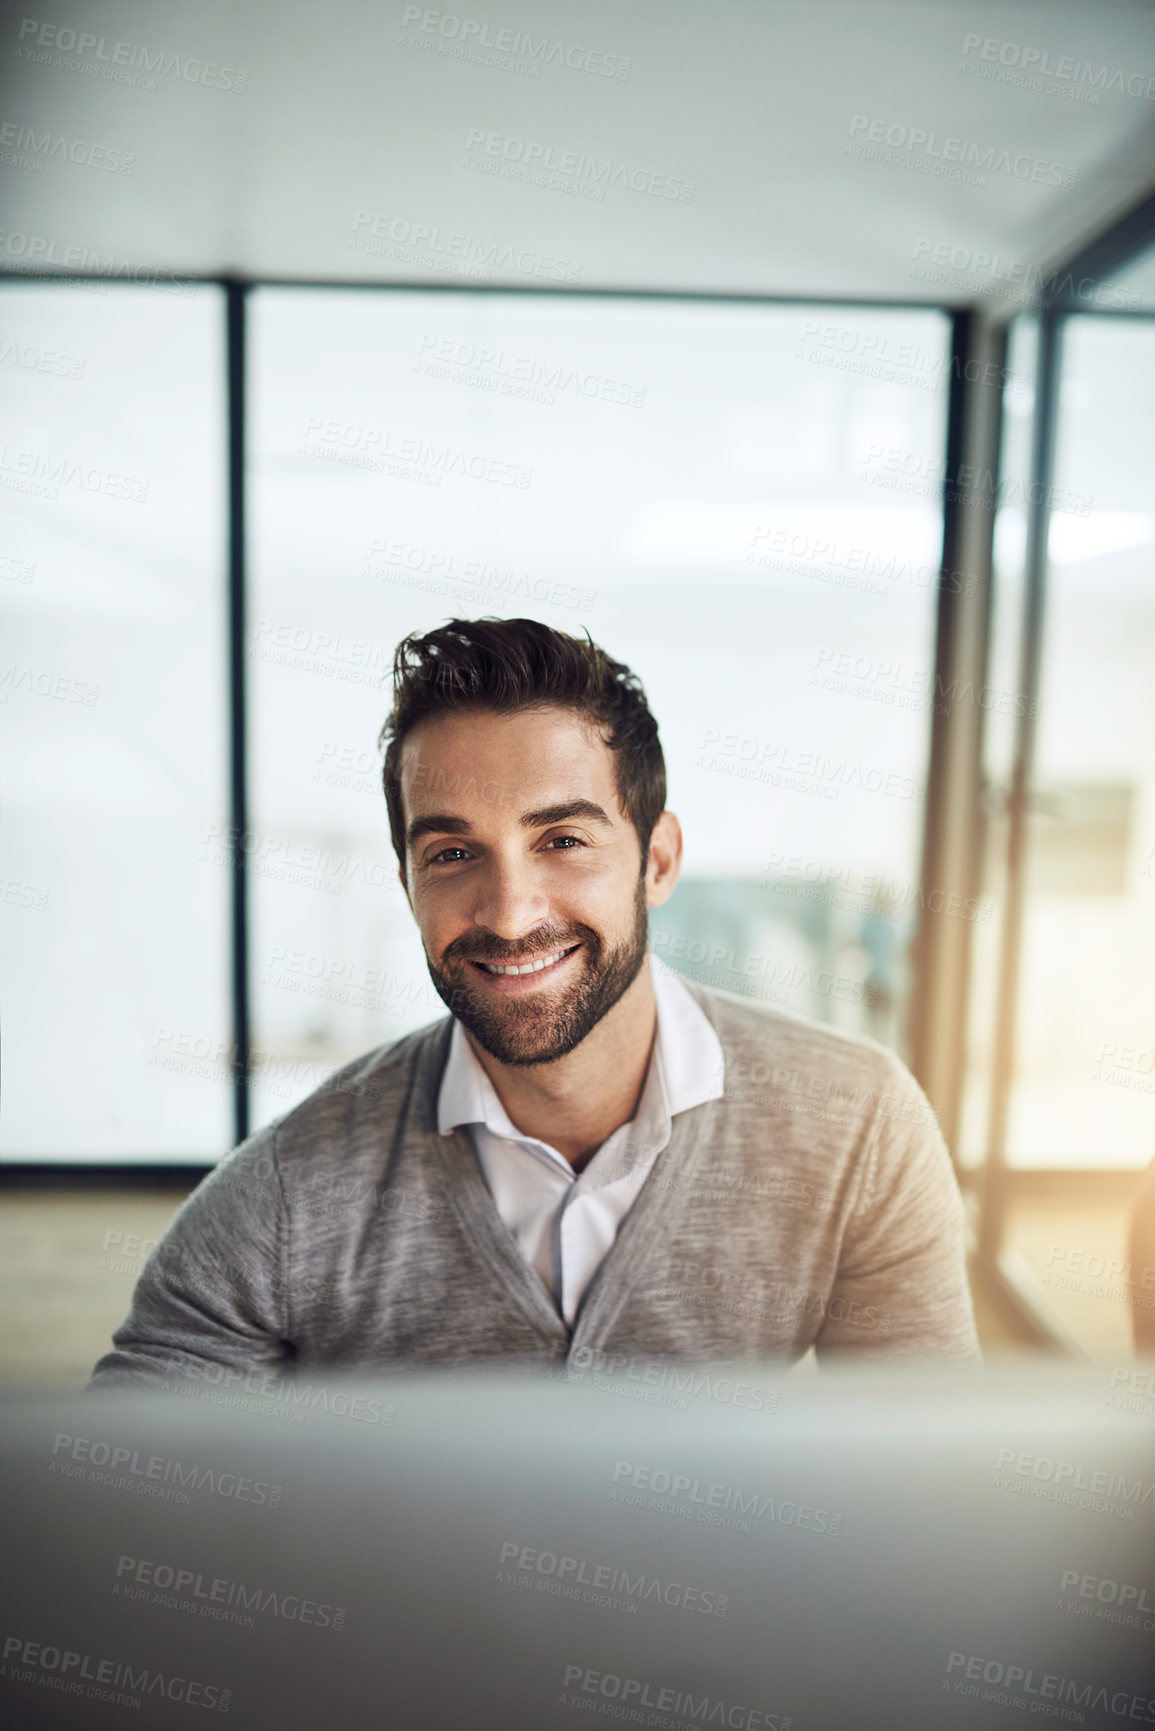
x: 687, y: 1061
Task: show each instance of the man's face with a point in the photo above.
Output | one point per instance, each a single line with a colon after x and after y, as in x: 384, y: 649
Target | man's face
x: 518, y: 854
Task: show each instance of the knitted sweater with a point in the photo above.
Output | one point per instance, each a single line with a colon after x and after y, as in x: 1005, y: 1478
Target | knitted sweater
x: 813, y: 1204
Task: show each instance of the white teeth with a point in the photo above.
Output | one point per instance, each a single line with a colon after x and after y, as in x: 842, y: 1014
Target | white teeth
x: 526, y: 968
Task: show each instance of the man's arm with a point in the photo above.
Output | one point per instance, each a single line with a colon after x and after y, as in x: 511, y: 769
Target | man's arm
x: 212, y: 1296
x: 901, y: 1287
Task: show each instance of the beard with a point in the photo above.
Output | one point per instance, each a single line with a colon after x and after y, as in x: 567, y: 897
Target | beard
x: 524, y: 1031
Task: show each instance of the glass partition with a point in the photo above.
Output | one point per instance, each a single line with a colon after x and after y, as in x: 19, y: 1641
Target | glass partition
x: 1062, y: 1118
x: 114, y: 716
x: 1084, y: 1086
x: 742, y: 502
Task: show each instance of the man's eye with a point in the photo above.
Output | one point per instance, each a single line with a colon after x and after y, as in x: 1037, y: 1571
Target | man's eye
x: 572, y: 841
x: 438, y: 858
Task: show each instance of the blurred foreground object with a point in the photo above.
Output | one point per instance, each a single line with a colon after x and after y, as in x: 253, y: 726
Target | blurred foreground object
x: 714, y: 1545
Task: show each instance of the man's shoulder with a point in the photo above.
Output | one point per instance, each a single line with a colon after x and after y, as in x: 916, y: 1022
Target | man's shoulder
x: 363, y: 1096
x: 388, y: 1067
x: 759, y: 1038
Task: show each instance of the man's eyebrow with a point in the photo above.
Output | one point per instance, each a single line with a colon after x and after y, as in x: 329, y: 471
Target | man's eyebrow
x: 564, y: 812
x: 437, y: 823
x: 444, y: 823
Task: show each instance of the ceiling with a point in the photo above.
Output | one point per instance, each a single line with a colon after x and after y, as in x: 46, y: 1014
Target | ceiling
x: 747, y: 146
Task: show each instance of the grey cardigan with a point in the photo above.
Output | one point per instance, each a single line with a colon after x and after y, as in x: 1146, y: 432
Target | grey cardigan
x: 813, y: 1204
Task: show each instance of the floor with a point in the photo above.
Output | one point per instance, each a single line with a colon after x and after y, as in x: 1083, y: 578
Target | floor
x: 1068, y: 1247
x: 68, y: 1264
x: 69, y: 1260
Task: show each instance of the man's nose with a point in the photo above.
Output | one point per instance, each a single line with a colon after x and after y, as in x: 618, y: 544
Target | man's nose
x: 509, y: 903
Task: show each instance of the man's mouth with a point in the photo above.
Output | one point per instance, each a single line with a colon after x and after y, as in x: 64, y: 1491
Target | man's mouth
x: 535, y: 966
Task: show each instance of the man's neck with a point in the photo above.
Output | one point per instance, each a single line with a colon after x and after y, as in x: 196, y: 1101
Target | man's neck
x: 579, y: 1100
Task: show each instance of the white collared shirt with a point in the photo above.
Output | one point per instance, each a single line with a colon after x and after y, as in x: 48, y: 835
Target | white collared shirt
x: 565, y: 1222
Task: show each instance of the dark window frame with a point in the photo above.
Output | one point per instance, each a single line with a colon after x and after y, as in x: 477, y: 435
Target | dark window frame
x: 930, y: 985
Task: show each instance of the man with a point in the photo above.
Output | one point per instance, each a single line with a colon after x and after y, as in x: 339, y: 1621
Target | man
x: 591, y: 1160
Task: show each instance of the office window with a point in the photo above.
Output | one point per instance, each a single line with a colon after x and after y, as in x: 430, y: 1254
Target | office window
x: 1083, y: 1093
x: 113, y: 709
x: 742, y: 502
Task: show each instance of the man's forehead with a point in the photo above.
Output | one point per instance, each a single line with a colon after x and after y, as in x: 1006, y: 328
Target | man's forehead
x: 531, y: 738
x: 519, y: 762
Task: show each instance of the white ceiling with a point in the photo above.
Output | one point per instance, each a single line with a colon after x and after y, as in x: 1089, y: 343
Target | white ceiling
x: 753, y: 101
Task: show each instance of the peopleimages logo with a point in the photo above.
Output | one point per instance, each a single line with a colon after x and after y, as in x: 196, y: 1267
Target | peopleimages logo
x: 387, y: 236
x: 379, y: 450
x: 98, y: 57
x: 1010, y: 1683
x: 1122, y: 1594
x: 489, y: 368
x: 163, y: 1583
x: 155, y: 1474
x: 865, y: 892
x: 1071, y: 1482
x: 523, y: 1565
x: 586, y: 1685
x: 24, y: 147
x: 508, y: 49
x: 1033, y: 64
x: 1017, y: 277
x: 813, y: 772
x: 37, y: 250
x: 61, y: 1668
x: 955, y: 158
x: 662, y: 1378
x: 37, y: 360
x: 33, y: 471
x: 442, y: 573
x: 717, y: 1504
x: 45, y: 684
x: 572, y: 169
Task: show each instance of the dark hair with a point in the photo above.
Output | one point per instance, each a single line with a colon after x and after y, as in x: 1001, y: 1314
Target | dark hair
x: 505, y: 664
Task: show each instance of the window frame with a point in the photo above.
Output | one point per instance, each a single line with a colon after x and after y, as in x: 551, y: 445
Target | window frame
x: 934, y: 977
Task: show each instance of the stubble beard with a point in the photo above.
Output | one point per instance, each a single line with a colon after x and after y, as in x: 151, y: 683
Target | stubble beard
x: 521, y: 1031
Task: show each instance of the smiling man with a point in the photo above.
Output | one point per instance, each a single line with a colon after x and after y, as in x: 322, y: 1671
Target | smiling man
x: 590, y: 1161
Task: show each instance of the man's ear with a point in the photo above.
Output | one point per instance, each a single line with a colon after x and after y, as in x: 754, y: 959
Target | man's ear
x: 665, y: 860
